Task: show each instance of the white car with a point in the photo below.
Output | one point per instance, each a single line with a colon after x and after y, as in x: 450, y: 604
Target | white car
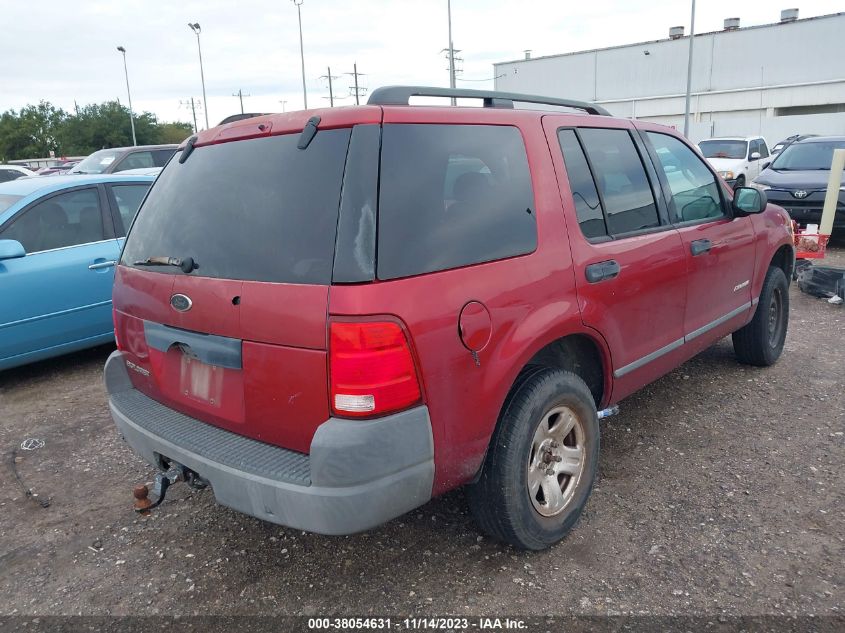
x: 13, y: 172
x: 739, y: 160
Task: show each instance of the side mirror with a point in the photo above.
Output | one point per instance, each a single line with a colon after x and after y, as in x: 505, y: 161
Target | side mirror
x: 755, y: 156
x: 11, y: 249
x: 749, y: 200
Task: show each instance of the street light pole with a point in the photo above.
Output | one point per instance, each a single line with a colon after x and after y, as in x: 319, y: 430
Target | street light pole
x: 689, y: 72
x: 129, y: 95
x: 195, y: 27
x: 298, y: 4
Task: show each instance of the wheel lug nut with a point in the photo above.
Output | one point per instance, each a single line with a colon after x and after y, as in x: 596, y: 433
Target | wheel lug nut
x: 550, y: 471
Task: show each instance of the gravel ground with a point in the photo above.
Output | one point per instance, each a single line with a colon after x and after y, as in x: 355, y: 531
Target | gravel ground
x: 720, y: 492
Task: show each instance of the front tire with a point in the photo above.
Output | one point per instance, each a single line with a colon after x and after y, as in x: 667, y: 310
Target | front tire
x: 542, y: 461
x: 761, y: 342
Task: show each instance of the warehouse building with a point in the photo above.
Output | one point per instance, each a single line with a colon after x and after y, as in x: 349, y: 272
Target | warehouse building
x: 773, y: 80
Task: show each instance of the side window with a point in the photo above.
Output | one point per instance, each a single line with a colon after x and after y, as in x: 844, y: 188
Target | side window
x: 64, y: 220
x: 451, y: 196
x: 764, y: 150
x: 621, y: 179
x: 161, y: 156
x: 754, y: 146
x: 136, y: 160
x: 128, y: 199
x: 587, y: 203
x: 695, y: 191
x: 9, y: 174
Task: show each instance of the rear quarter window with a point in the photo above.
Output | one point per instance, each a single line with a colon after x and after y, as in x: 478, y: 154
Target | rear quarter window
x: 451, y: 196
x: 128, y: 198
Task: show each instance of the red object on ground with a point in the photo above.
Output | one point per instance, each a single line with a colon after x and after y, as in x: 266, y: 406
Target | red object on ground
x: 810, y: 245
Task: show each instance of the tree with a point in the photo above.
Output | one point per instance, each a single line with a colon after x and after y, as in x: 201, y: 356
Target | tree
x: 174, y: 132
x: 36, y: 130
x: 30, y: 133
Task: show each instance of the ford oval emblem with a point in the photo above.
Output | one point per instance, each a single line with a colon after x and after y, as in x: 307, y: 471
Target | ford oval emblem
x: 181, y: 303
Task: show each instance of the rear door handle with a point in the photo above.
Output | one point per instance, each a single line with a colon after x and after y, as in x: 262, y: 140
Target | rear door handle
x: 99, y: 265
x: 602, y: 270
x: 699, y: 247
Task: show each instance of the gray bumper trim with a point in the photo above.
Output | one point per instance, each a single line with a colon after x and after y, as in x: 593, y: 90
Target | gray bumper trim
x: 213, y: 443
x: 359, y: 473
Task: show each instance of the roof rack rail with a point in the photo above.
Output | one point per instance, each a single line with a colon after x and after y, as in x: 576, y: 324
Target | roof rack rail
x: 401, y: 95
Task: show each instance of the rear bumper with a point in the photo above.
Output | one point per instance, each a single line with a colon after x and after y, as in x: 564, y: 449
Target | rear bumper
x: 359, y: 474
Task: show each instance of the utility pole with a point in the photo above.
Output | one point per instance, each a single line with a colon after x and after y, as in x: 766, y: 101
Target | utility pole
x: 240, y: 95
x: 355, y: 90
x: 451, y: 51
x: 689, y: 72
x: 190, y: 103
x: 298, y: 4
x: 283, y: 102
x: 329, y: 76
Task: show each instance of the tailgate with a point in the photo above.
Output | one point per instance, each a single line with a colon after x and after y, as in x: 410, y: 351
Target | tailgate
x: 263, y: 376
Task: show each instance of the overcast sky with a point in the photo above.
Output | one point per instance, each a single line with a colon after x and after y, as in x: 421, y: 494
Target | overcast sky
x: 62, y: 51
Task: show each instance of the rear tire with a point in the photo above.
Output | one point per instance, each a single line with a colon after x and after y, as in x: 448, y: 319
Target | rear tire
x: 541, y: 463
x: 761, y: 342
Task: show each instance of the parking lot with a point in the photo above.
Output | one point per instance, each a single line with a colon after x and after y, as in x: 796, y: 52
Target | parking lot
x: 720, y: 491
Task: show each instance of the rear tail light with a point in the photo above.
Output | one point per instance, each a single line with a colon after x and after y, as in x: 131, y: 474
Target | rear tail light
x: 371, y: 369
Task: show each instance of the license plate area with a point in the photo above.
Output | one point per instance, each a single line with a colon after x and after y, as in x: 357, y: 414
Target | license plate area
x: 200, y: 381
x: 204, y: 390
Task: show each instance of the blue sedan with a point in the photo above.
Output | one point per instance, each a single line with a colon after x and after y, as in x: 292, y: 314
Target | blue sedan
x: 60, y: 238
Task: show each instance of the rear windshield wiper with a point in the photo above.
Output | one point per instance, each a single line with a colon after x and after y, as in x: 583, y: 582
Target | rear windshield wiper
x: 187, y: 265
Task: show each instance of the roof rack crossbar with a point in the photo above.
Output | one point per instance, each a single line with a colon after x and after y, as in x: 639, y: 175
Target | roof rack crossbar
x: 401, y: 95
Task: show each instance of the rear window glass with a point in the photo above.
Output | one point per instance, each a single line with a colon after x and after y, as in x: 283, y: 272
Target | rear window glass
x: 452, y: 195
x: 258, y: 209
x: 128, y: 199
x: 7, y: 200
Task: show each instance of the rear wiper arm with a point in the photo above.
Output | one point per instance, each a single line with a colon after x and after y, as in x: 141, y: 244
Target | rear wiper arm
x: 187, y: 265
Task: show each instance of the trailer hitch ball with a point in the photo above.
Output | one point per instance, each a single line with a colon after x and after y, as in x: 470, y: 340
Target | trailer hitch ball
x: 163, y: 481
x: 142, y: 502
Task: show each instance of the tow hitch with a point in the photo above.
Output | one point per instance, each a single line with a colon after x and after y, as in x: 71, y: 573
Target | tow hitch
x: 163, y: 480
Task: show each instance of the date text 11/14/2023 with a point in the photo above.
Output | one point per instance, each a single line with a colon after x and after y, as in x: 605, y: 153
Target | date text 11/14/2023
x: 418, y: 624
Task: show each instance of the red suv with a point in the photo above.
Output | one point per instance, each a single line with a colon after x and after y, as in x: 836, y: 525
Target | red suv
x: 333, y: 316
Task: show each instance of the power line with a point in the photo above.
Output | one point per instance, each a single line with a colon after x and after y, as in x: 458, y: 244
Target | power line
x: 194, y: 105
x: 485, y: 79
x: 240, y: 95
x: 329, y: 76
x: 453, y: 61
x: 356, y: 90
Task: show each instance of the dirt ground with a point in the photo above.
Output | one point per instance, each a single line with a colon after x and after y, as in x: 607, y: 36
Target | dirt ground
x: 720, y: 492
